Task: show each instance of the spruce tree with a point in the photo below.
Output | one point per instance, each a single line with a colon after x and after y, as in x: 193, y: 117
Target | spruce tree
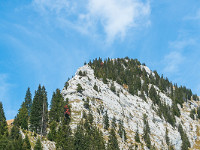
x: 79, y: 136
x: 26, y: 143
x: 22, y: 117
x: 57, y: 104
x: 185, y: 141
x: 79, y: 88
x: 121, y: 131
x: 112, y: 141
x: 137, y: 137
x: 3, y: 123
x: 167, y: 137
x: 64, y: 138
x: 28, y: 101
x: 38, y: 145
x: 146, y: 131
x: 35, y: 116
x: 114, y: 125
x: 39, y: 111
x: 106, y: 121
x: 44, y: 113
x: 52, y: 133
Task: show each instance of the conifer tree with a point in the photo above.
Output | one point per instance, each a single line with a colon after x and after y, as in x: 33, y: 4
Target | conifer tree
x: 26, y: 143
x: 112, y: 141
x: 44, y: 113
x: 79, y: 88
x: 106, y: 121
x: 22, y: 117
x: 38, y: 145
x: 57, y: 104
x: 35, y: 116
x: 114, y: 125
x: 79, y: 136
x: 64, y: 138
x: 121, y: 131
x: 137, y: 137
x: 39, y: 111
x: 185, y: 141
x: 167, y: 137
x: 52, y: 133
x: 28, y: 101
x: 146, y: 131
x: 3, y: 123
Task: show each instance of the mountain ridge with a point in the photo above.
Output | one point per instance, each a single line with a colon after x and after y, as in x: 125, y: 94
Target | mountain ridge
x: 111, y: 102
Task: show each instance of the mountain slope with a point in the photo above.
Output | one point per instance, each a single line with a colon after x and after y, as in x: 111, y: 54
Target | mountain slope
x: 128, y: 107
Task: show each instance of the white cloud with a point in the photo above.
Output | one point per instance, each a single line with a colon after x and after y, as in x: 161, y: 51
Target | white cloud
x: 114, y: 17
x: 196, y: 16
x: 175, y: 58
x: 181, y: 44
x: 117, y: 16
x: 172, y: 62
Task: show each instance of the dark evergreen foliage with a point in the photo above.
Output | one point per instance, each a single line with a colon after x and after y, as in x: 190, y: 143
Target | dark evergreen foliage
x: 106, y: 121
x: 79, y: 88
x: 38, y: 145
x: 185, y: 142
x: 86, y: 104
x: 26, y: 144
x: 137, y: 137
x: 112, y: 141
x: 52, y: 133
x: 167, y: 137
x: 121, y: 131
x: 192, y: 113
x: 28, y: 101
x: 21, y: 119
x: 146, y: 130
x: 64, y: 138
x: 39, y: 111
x: 3, y: 123
x: 96, y: 87
x: 56, y: 112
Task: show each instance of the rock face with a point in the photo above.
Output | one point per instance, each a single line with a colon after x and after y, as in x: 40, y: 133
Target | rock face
x: 128, y: 108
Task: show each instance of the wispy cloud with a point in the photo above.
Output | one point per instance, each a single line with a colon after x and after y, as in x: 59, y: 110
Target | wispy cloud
x: 195, y: 16
x: 181, y: 44
x: 172, y: 62
x: 114, y: 17
x: 175, y: 58
x: 5, y: 88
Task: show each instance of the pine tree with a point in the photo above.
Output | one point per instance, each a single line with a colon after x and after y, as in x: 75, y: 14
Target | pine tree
x: 57, y: 104
x: 90, y: 117
x: 79, y: 88
x: 112, y: 141
x: 35, y: 116
x: 39, y: 111
x: 28, y: 101
x: 79, y: 136
x: 121, y: 131
x: 146, y: 131
x: 106, y: 121
x: 44, y: 113
x: 114, y: 125
x: 137, y: 137
x: 64, y: 138
x: 3, y: 123
x: 26, y: 144
x: 167, y: 137
x: 185, y: 141
x: 52, y: 133
x: 22, y: 117
x: 38, y: 145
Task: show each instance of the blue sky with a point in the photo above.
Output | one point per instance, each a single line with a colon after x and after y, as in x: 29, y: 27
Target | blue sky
x: 45, y: 41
